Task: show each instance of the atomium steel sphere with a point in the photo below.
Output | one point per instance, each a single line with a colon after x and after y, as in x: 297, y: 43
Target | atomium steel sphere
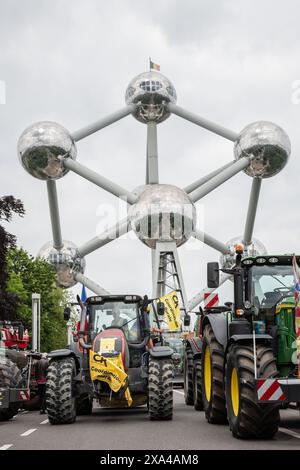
x: 163, y: 213
x: 254, y: 249
x: 66, y: 262
x: 40, y: 147
x: 268, y: 143
x: 150, y: 92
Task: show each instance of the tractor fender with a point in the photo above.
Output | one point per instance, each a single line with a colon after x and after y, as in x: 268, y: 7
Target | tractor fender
x: 195, y: 344
x: 161, y: 352
x: 218, y: 322
x: 246, y: 339
x: 61, y: 353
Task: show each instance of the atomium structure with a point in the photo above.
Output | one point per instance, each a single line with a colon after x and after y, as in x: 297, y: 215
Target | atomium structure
x: 163, y: 216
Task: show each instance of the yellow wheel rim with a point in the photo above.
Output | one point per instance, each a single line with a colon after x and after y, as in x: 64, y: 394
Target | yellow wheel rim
x: 207, y: 373
x: 235, y: 399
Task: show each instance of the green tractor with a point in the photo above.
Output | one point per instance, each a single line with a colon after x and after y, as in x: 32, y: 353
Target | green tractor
x: 115, y: 360
x: 242, y: 366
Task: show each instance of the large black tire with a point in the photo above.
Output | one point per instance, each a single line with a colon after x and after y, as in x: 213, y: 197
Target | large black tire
x: 212, y: 378
x: 60, y: 399
x: 84, y: 406
x: 188, y: 376
x: 10, y: 377
x: 247, y: 418
x: 160, y: 383
x: 198, y: 401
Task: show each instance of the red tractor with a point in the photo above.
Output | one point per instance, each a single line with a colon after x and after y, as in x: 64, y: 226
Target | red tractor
x: 22, y: 373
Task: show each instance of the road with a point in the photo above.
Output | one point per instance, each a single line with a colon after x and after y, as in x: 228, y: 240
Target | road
x: 131, y: 429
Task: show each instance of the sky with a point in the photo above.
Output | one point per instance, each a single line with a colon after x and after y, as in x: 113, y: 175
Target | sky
x: 70, y: 61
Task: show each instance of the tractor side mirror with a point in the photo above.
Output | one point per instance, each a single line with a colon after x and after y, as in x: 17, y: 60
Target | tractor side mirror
x: 187, y: 320
x: 160, y: 308
x: 213, y: 280
x: 67, y: 313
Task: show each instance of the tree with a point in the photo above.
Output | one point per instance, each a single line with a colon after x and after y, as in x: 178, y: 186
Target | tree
x: 8, y: 301
x: 27, y: 275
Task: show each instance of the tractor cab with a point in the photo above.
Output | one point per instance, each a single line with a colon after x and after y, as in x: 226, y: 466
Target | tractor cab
x: 115, y: 312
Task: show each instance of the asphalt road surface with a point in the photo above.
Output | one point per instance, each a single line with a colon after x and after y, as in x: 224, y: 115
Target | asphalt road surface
x: 131, y: 429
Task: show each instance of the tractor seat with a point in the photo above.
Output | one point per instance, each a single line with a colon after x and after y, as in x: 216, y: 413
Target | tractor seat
x: 270, y: 299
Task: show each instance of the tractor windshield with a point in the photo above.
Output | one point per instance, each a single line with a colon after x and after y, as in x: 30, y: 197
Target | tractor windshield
x: 115, y: 314
x: 271, y: 284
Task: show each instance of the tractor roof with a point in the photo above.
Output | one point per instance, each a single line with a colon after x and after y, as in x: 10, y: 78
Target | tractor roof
x: 270, y: 260
x: 102, y: 299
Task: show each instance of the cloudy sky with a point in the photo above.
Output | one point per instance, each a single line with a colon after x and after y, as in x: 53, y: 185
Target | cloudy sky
x: 70, y: 61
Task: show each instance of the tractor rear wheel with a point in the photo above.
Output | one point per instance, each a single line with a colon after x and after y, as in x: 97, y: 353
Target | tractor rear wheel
x: 160, y: 379
x: 213, y: 393
x: 198, y: 402
x: 60, y: 399
x: 10, y: 377
x: 188, y: 372
x: 247, y: 418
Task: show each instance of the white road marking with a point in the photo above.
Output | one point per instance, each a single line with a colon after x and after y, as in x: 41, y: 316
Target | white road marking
x: 23, y: 412
x: 290, y: 432
x: 178, y: 391
x: 27, y: 433
x: 6, y: 446
x: 45, y: 422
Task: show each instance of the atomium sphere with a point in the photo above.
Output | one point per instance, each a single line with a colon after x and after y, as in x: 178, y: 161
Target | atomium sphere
x: 163, y: 213
x: 66, y: 261
x: 268, y: 143
x: 40, y: 147
x: 151, y: 92
x: 254, y: 249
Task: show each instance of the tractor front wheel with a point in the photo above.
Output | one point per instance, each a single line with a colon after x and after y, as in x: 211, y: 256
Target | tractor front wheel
x: 198, y: 402
x: 188, y: 372
x: 10, y: 377
x: 213, y: 393
x: 247, y: 418
x: 160, y: 383
x: 60, y: 399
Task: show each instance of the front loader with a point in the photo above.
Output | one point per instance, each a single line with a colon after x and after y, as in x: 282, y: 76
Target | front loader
x: 243, y: 362
x: 115, y: 359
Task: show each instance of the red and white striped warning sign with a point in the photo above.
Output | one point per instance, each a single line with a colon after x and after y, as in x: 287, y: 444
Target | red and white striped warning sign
x: 211, y: 299
x: 24, y: 395
x: 269, y: 390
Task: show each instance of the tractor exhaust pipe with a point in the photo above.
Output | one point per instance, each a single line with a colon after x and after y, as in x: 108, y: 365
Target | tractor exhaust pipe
x: 81, y: 332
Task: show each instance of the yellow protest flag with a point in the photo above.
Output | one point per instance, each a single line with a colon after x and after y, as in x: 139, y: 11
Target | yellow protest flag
x: 111, y: 371
x: 172, y: 311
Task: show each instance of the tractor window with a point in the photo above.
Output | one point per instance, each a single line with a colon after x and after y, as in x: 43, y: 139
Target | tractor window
x: 271, y: 284
x: 115, y: 314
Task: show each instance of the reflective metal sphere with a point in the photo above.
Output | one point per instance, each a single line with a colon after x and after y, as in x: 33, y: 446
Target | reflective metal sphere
x: 163, y: 213
x: 268, y: 143
x: 66, y: 262
x: 254, y: 249
x: 40, y: 147
x: 151, y: 92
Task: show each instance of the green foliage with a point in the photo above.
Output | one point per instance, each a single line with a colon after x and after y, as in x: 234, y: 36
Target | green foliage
x: 27, y: 275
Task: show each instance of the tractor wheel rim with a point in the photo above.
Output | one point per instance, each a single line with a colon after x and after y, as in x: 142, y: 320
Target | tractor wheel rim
x: 234, y: 386
x: 207, y: 374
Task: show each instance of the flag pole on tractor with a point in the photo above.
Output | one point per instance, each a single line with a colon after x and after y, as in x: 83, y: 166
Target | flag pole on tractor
x: 297, y: 309
x: 154, y: 66
x: 83, y: 294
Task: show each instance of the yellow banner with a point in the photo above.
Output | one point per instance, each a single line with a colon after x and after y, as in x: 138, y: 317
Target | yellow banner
x: 110, y: 371
x: 172, y: 311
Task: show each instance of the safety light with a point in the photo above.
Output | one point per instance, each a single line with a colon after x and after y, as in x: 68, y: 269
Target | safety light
x: 239, y: 312
x: 239, y: 248
x: 273, y: 260
x: 248, y: 262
